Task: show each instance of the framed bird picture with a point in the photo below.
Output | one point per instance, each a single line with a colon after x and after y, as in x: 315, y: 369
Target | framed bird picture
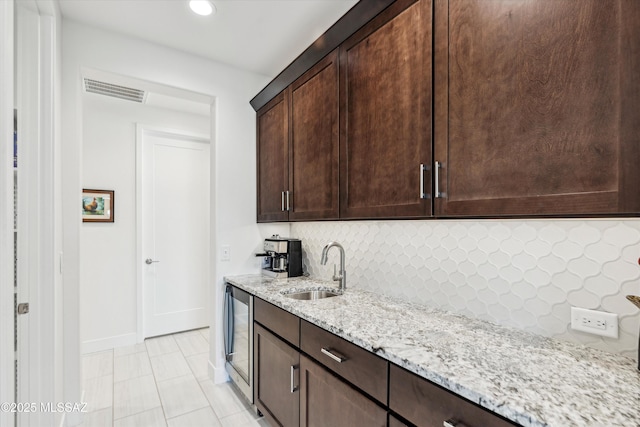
x: 97, y: 205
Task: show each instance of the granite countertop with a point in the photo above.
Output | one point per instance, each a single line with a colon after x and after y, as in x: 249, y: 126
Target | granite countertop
x: 526, y: 378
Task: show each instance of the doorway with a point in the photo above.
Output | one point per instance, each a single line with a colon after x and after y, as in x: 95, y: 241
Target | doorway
x: 172, y: 174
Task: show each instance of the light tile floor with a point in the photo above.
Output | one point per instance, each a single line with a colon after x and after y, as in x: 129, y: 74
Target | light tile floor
x: 161, y: 383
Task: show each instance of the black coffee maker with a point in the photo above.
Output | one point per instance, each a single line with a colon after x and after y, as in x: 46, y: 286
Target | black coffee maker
x: 282, y: 257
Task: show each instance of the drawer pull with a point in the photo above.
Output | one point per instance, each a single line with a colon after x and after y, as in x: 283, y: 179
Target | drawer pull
x: 337, y: 358
x: 452, y: 423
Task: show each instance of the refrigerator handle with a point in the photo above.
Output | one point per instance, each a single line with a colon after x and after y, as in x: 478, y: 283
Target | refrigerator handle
x: 228, y: 319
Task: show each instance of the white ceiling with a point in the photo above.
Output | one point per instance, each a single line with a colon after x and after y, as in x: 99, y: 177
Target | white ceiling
x: 262, y: 36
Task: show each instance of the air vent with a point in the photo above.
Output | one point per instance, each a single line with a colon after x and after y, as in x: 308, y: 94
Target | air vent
x: 116, y: 91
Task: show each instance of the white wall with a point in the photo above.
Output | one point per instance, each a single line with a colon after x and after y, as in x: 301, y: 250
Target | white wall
x: 233, y: 151
x: 525, y: 274
x: 108, y: 260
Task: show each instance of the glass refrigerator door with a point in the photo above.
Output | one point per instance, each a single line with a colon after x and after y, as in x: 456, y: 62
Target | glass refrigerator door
x: 237, y: 330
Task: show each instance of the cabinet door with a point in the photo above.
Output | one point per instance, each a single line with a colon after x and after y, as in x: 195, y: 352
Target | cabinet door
x: 327, y: 401
x: 534, y: 105
x: 276, y: 367
x: 273, y: 159
x: 385, y: 113
x: 394, y: 422
x: 314, y: 150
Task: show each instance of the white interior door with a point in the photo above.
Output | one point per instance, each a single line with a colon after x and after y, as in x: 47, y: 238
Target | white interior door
x: 175, y: 232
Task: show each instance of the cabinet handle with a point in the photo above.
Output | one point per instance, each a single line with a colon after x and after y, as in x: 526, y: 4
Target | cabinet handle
x: 423, y: 169
x: 337, y: 358
x: 294, y: 388
x: 282, y: 201
x: 437, y: 194
x: 453, y: 423
x: 287, y: 196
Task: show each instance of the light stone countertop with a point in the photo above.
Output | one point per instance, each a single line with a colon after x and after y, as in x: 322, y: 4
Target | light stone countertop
x: 526, y: 378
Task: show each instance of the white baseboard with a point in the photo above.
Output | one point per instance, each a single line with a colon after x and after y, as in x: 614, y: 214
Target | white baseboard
x: 70, y: 419
x: 218, y: 375
x: 108, y: 343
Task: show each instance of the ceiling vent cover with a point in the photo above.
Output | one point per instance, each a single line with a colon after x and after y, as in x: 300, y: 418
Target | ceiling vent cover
x: 109, y: 89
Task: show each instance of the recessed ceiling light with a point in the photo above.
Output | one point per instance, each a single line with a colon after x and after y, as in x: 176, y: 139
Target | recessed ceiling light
x: 202, y: 7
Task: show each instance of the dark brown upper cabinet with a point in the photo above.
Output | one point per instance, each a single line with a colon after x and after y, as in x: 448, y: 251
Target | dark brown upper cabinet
x: 385, y: 115
x: 273, y: 159
x: 529, y: 109
x: 298, y: 148
x: 536, y: 107
x: 314, y: 149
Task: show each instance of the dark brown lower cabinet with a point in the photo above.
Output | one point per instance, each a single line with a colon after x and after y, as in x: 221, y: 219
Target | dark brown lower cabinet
x: 313, y: 378
x: 276, y: 367
x: 327, y: 401
x: 427, y: 405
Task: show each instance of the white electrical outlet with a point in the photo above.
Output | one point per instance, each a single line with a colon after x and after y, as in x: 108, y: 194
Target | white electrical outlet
x: 594, y: 322
x: 225, y: 253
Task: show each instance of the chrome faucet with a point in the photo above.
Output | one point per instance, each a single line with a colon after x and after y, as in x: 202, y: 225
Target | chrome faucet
x: 342, y: 277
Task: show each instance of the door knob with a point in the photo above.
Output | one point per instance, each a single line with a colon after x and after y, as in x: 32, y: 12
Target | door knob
x: 150, y: 261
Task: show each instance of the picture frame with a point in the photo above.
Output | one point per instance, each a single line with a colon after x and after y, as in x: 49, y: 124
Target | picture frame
x: 98, y: 205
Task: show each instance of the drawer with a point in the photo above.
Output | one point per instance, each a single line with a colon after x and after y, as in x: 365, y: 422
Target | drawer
x: 278, y: 321
x: 428, y: 405
x: 361, y: 368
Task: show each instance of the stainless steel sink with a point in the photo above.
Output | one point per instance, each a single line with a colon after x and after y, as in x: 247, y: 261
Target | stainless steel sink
x: 312, y: 295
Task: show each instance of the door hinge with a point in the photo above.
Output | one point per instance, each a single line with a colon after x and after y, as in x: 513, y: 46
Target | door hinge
x: 23, y: 308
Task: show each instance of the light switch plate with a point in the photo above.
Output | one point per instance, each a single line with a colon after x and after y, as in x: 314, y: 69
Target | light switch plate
x: 594, y: 322
x: 225, y: 253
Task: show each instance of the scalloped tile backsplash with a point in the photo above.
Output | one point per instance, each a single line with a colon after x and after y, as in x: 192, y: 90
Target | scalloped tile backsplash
x: 520, y: 273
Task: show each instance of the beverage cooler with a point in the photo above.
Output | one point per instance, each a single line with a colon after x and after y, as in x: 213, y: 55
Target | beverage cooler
x: 238, y: 338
